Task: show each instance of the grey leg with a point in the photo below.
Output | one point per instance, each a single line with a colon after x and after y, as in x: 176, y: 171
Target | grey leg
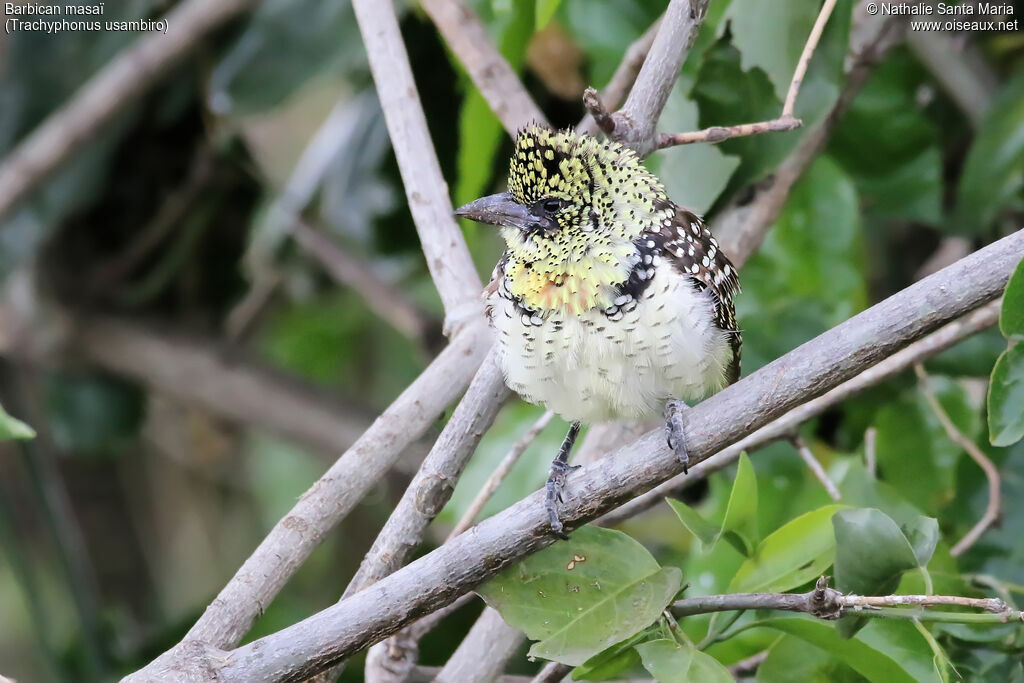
x: 560, y: 467
x: 674, y: 431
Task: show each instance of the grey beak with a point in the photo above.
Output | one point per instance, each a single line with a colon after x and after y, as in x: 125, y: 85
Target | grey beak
x: 500, y: 209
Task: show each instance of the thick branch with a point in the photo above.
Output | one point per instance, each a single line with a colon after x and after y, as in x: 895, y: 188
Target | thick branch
x: 483, y: 653
x: 488, y: 70
x: 900, y: 361
x: 442, y: 575
x: 121, y: 81
x: 434, y: 482
x: 445, y: 249
x: 635, y: 123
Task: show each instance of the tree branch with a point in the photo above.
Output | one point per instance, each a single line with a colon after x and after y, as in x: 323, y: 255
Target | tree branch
x: 488, y: 70
x: 387, y: 301
x: 827, y: 603
x: 126, y: 77
x: 992, y: 510
x: 814, y: 466
x: 442, y: 575
x: 635, y: 123
x: 445, y: 249
x: 888, y: 368
x: 483, y: 653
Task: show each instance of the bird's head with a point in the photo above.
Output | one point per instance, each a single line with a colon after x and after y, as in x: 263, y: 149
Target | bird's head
x: 573, y: 208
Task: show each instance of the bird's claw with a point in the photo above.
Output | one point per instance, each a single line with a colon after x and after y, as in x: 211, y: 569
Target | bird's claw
x: 675, y: 435
x: 554, y: 488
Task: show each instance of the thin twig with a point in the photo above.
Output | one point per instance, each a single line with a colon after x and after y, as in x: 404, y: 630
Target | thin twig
x: 992, y: 510
x: 934, y: 343
x: 786, y: 120
x: 488, y: 70
x: 553, y: 672
x: 805, y: 57
x: 448, y: 258
x: 125, y: 78
x: 827, y: 603
x: 442, y: 575
x: 499, y: 474
x: 747, y: 667
x: 383, y: 298
x: 812, y: 463
x: 870, y: 441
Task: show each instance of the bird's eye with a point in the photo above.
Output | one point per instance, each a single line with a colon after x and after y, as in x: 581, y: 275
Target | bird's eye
x: 551, y: 205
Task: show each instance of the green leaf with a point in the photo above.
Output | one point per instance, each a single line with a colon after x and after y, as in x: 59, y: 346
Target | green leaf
x: 792, y: 659
x: 1011, y: 317
x: 579, y: 597
x: 871, y: 552
x: 739, y: 526
x: 12, y: 428
x: 994, y: 169
x: 892, y: 651
x: 545, y: 9
x: 791, y: 556
x: 670, y: 662
x: 1006, y: 397
x: 611, y: 662
x: 741, y: 514
x: 706, y: 531
x: 923, y: 535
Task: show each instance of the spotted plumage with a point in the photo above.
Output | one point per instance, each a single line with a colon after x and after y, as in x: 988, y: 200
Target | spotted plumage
x: 610, y: 299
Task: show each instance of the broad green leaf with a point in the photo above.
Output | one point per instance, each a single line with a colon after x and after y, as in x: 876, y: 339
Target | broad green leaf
x: 1006, y: 397
x: 923, y: 534
x: 871, y: 552
x: 545, y: 9
x: 741, y: 515
x: 792, y: 659
x: 1011, y: 317
x: 894, y: 653
x: 13, y: 428
x: 994, y: 169
x: 670, y: 662
x: 707, y: 532
x: 612, y: 661
x: 739, y: 526
x: 871, y: 555
x: 791, y: 556
x: 581, y: 596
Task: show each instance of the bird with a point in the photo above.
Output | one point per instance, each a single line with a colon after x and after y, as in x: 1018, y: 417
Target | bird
x: 610, y: 301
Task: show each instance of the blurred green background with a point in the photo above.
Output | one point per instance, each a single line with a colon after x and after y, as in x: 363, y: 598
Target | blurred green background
x: 132, y: 507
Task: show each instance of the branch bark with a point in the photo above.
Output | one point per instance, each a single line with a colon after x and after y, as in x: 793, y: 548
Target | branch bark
x: 445, y: 249
x: 635, y: 123
x: 488, y: 70
x: 900, y: 361
x: 827, y: 603
x: 441, y: 576
x: 118, y: 84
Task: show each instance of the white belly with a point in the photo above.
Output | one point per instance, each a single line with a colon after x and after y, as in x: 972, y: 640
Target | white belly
x: 592, y: 369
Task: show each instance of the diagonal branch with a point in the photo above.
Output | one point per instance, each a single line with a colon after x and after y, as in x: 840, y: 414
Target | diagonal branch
x: 900, y: 361
x: 488, y: 70
x: 126, y: 77
x: 445, y: 249
x: 992, y: 510
x: 442, y: 575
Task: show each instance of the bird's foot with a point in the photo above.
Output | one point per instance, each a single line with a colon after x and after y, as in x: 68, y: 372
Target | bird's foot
x: 554, y: 488
x: 560, y: 468
x: 674, y: 432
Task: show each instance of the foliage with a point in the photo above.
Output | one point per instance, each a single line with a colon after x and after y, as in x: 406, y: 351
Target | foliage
x: 120, y: 522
